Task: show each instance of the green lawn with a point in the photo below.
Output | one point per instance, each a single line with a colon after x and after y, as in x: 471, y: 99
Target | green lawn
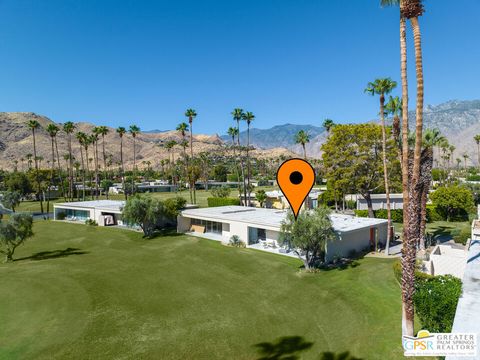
x: 80, y: 292
x: 440, y: 229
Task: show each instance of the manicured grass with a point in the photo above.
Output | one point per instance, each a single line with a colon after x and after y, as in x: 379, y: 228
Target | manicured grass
x: 80, y: 292
x: 440, y: 229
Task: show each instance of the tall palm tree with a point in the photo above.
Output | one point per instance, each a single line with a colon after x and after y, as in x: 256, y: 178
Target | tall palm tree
x: 68, y: 128
x: 103, y: 131
x: 394, y: 107
x: 411, y: 230
x: 328, y: 124
x: 182, y: 128
x: 52, y: 130
x: 81, y: 138
x: 94, y: 141
x: 121, y: 131
x: 134, y: 131
x: 382, y: 87
x: 86, y: 143
x: 169, y: 145
x: 477, y: 140
x: 302, y: 137
x: 237, y: 115
x: 34, y: 125
x: 248, y: 117
x: 233, y: 131
x: 465, y: 158
x: 191, y: 114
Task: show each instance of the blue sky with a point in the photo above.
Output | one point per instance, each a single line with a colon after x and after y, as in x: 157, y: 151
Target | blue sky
x: 120, y: 62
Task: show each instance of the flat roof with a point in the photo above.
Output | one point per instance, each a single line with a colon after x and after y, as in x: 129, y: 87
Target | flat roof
x: 94, y: 204
x: 273, y: 217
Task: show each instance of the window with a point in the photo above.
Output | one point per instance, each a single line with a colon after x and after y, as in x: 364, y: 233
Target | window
x: 210, y: 226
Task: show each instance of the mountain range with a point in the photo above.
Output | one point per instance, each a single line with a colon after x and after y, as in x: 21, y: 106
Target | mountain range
x: 458, y: 120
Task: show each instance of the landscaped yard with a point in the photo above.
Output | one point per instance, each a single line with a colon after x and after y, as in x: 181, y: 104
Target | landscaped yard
x: 79, y: 292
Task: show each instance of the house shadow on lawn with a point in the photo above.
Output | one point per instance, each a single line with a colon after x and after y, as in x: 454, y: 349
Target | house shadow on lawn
x: 291, y: 347
x: 44, y: 255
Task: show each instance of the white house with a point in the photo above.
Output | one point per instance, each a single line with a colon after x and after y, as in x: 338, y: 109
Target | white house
x: 379, y: 201
x: 260, y: 228
x: 104, y: 212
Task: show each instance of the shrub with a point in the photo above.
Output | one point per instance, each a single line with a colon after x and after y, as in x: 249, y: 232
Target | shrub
x: 436, y: 301
x: 91, y: 222
x: 361, y: 213
x: 419, y: 275
x: 214, y: 201
x: 236, y: 242
x: 461, y: 236
x: 433, y: 214
x: 453, y: 202
x: 61, y: 216
x: 474, y: 177
x: 397, y: 214
x: 221, y: 192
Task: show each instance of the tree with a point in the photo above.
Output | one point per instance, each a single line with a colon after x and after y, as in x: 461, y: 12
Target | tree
x: 53, y: 130
x: 220, y: 172
x: 134, y: 131
x: 302, y: 138
x: 121, y: 131
x: 68, y: 128
x: 465, y: 158
x: 19, y: 182
x: 148, y: 213
x: 34, y: 125
x: 234, y: 131
x: 382, y: 87
x: 103, y: 131
x: 221, y: 192
x: 81, y: 138
x: 169, y: 145
x: 237, y: 115
x: 453, y: 201
x: 248, y: 117
x: 308, y: 234
x: 11, y: 199
x: 261, y: 197
x: 191, y: 114
x: 353, y: 161
x: 182, y: 128
x: 477, y: 140
x: 94, y: 140
x: 328, y: 124
x: 14, y: 233
x: 410, y: 9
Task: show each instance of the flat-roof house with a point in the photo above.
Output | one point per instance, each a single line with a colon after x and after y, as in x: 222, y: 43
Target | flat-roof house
x: 260, y: 228
x: 104, y: 212
x: 379, y: 201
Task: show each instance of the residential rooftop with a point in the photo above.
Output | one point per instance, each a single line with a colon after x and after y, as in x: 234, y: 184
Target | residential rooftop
x: 94, y: 204
x: 273, y: 217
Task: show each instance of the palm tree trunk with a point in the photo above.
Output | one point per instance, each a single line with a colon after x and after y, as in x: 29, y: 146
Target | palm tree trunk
x: 122, y: 169
x: 70, y: 159
x: 104, y: 163
x: 408, y: 266
x: 241, y: 166
x: 304, y: 152
x: 248, y: 163
x: 51, y: 174
x: 236, y: 167
x: 95, y: 159
x: 134, y: 165
x: 83, y: 172
x: 39, y: 187
x: 191, y: 156
x: 385, y: 173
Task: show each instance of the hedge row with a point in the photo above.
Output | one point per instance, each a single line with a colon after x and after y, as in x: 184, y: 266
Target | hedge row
x: 216, y: 201
x: 397, y: 214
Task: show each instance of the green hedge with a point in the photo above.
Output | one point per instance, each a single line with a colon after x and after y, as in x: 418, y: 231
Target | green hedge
x: 419, y: 275
x: 214, y: 202
x: 397, y: 214
x: 436, y: 301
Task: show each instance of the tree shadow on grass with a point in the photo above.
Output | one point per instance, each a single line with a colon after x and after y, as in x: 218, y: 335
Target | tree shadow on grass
x: 290, y: 347
x: 44, y: 255
x: 170, y: 231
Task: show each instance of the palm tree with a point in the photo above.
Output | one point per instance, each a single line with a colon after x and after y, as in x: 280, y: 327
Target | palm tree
x: 34, y: 125
x: 94, y: 141
x: 382, y: 87
x: 477, y: 140
x: 302, y: 138
x: 134, y: 131
x: 102, y: 131
x: 410, y: 9
x: 328, y: 124
x: 52, y: 130
x: 237, y: 114
x: 465, y: 158
x: 182, y: 128
x: 121, y: 131
x: 169, y: 145
x: 81, y: 138
x: 248, y: 117
x: 191, y: 114
x: 68, y: 128
x: 233, y: 131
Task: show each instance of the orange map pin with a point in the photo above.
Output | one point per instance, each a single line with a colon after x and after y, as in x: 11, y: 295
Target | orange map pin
x: 295, y: 177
